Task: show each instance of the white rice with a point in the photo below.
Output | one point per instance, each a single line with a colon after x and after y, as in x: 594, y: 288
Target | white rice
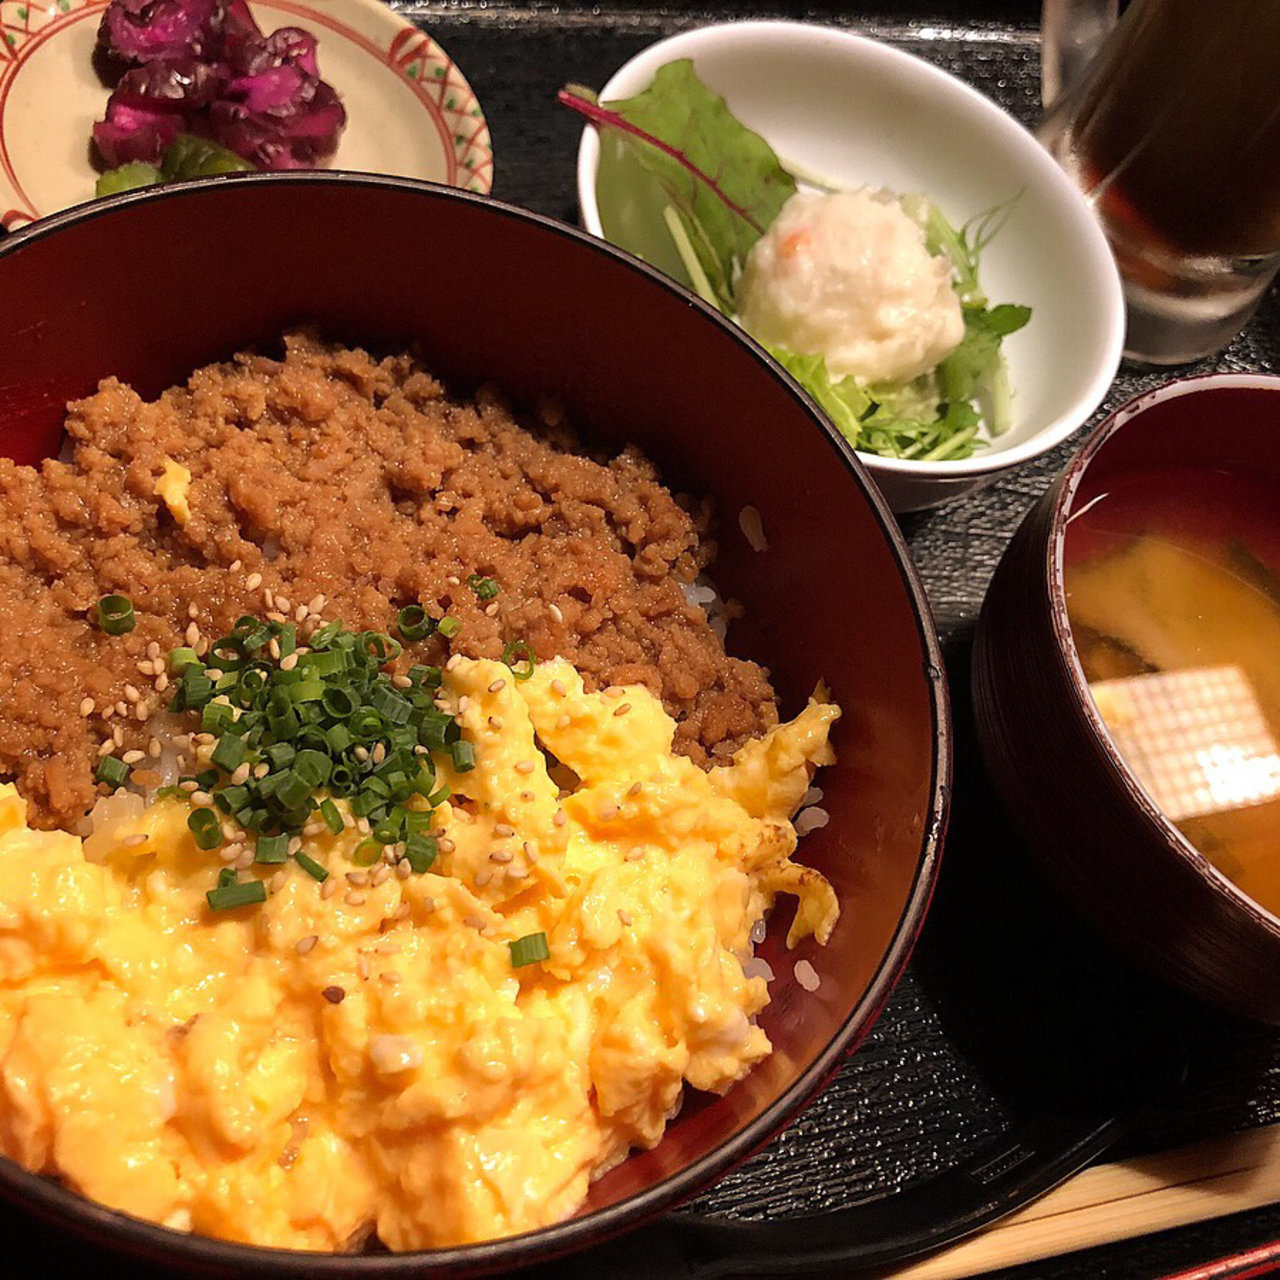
x: 807, y: 975
x: 752, y: 527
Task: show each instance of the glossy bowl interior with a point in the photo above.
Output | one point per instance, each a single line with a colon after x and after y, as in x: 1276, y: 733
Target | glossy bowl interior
x: 1100, y: 833
x: 149, y: 286
x: 857, y: 112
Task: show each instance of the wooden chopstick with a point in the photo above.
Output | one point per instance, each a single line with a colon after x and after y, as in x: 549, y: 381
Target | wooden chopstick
x: 1113, y: 1202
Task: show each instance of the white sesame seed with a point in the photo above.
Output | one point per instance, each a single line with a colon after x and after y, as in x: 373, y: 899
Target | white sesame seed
x: 241, y: 774
x: 559, y: 819
x: 288, y: 662
x: 154, y: 748
x: 453, y: 580
x: 273, y: 648
x: 491, y: 610
x: 300, y: 613
x: 132, y: 692
x: 380, y: 876
x: 495, y: 723
x: 276, y: 882
x: 453, y: 661
x: 807, y: 975
x: 192, y: 634
x: 557, y: 686
x: 446, y: 845
x: 261, y: 770
x: 497, y: 686
x: 554, y: 610
x: 500, y: 855
x: 516, y: 873
x: 317, y: 603
x: 379, y: 752
x: 624, y: 916
x: 614, y: 691
x: 108, y: 712
x: 420, y: 750
x: 190, y: 784
x: 388, y: 948
x: 106, y: 746
x: 483, y: 876
x: 269, y: 598
x: 362, y: 966
x: 635, y: 788
x: 132, y: 757
x: 359, y: 878
x: 305, y: 944
x: 193, y: 611
x: 463, y: 703
x: 474, y: 922
x: 153, y: 649
x: 391, y: 976
x: 428, y: 906
x: 162, y: 682
x: 622, y: 710
x: 253, y: 581
x: 245, y: 860
x: 402, y: 682
x: 229, y: 853
x: 201, y: 797
x: 145, y: 668
x: 608, y: 813
x: 363, y: 826
x: 329, y: 888
x: 282, y: 604
x: 117, y: 736
x: 142, y: 710
x: 133, y: 841
x: 314, y: 829
x: 201, y: 647
x: 524, y: 766
x: 564, y: 722
x: 213, y: 673
x: 235, y: 566
x: 354, y: 899
x: 403, y: 870
x: 503, y: 830
x: 361, y: 754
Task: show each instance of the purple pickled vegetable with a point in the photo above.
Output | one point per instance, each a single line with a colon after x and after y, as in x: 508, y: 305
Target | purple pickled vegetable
x: 275, y: 110
x: 135, y: 133
x: 141, y: 31
x: 204, y: 67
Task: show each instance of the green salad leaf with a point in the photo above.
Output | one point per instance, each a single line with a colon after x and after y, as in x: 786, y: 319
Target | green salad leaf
x: 724, y: 182
x: 725, y: 185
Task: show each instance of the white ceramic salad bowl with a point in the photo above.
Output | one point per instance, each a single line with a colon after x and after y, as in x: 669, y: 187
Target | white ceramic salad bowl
x: 858, y: 112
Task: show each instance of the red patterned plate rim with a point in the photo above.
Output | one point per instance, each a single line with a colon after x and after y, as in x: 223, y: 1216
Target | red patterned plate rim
x: 385, y: 68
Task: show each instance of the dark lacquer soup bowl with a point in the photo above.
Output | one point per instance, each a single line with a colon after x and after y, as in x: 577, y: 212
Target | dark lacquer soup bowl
x: 1187, y: 472
x: 151, y: 286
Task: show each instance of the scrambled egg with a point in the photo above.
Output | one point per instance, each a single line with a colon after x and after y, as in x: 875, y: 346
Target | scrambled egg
x: 362, y: 1054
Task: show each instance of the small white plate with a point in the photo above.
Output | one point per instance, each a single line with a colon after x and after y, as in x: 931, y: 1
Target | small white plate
x: 410, y: 112
x: 864, y: 114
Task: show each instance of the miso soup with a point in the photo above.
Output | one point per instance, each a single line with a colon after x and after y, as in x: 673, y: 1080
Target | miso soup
x: 1173, y: 593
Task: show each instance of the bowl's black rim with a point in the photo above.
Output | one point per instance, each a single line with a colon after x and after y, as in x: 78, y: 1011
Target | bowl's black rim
x: 1069, y: 656
x: 141, y: 1238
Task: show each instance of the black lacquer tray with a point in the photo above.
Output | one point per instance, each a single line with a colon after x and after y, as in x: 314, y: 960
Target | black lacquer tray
x: 1013, y: 1029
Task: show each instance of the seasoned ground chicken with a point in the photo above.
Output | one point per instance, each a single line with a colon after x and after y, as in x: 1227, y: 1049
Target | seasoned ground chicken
x: 264, y: 484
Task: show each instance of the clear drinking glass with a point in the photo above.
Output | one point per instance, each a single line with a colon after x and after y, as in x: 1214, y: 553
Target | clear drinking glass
x: 1170, y: 123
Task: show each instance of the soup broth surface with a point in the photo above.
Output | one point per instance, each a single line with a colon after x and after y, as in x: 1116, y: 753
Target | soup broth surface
x: 1173, y: 594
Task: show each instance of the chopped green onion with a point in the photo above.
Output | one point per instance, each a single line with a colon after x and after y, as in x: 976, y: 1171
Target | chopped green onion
x: 271, y: 849
x: 516, y: 652
x: 204, y: 825
x: 464, y: 756
x: 333, y: 819
x: 229, y: 753
x: 421, y: 850
x: 227, y: 876
x: 485, y: 588
x: 529, y: 950
x: 367, y: 852
x: 311, y: 866
x: 115, y: 615
x: 181, y: 658
x: 228, y: 897
x: 414, y: 622
x: 448, y: 626
x: 113, y: 771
